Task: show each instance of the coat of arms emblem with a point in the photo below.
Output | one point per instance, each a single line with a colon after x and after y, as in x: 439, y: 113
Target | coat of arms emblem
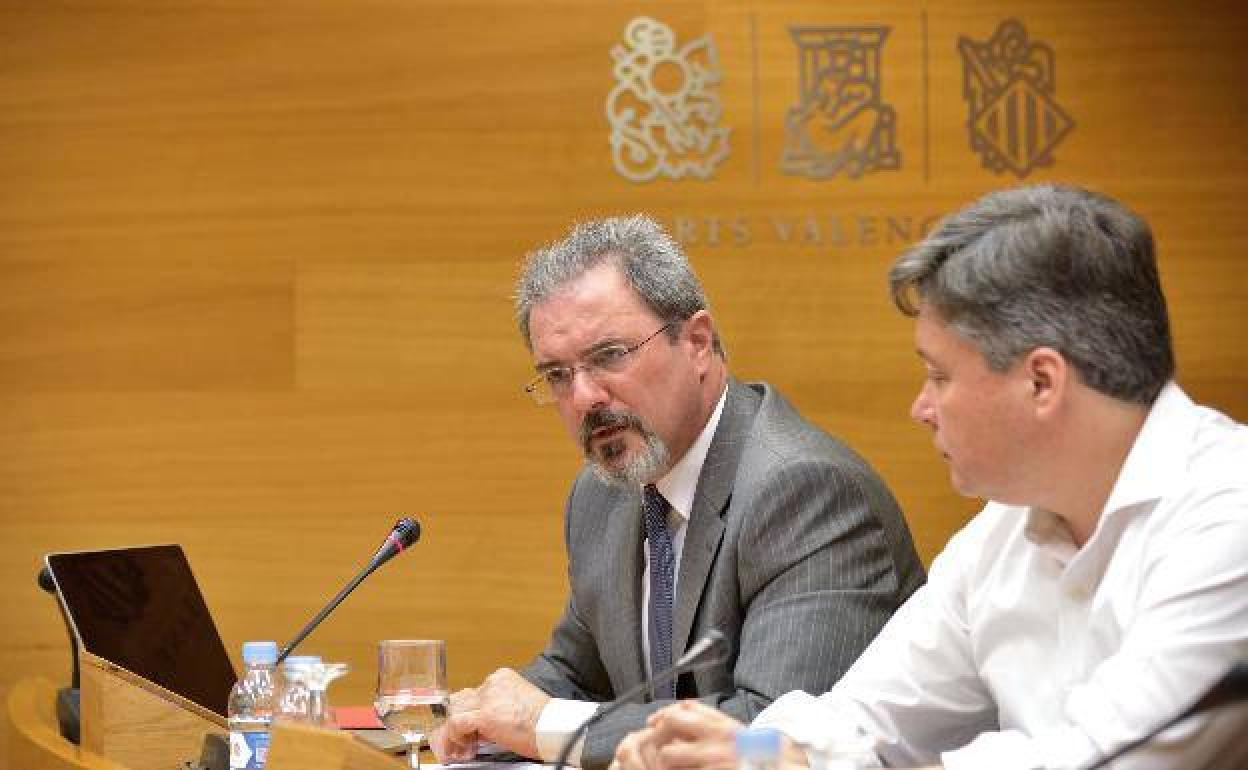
x: 840, y: 122
x: 664, y: 109
x: 1009, y: 84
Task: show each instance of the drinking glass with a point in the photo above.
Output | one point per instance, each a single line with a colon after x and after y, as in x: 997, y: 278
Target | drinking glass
x: 292, y: 689
x: 318, y: 678
x: 412, y: 697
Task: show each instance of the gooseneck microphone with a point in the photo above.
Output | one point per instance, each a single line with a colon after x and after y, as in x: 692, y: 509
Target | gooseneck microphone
x: 68, y: 701
x: 405, y: 533
x: 1232, y: 687
x: 710, y: 650
x: 48, y: 584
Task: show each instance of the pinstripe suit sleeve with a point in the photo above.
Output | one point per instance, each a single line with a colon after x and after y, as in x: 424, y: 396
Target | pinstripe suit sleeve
x: 818, y: 578
x: 570, y: 666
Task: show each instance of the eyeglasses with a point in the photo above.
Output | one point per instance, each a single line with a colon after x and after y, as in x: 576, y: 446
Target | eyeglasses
x: 555, y: 382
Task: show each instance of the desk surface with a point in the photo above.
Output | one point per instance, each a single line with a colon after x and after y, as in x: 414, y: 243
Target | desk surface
x: 34, y: 741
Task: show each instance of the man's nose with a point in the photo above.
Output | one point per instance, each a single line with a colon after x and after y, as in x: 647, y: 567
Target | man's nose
x: 587, y: 393
x: 921, y: 409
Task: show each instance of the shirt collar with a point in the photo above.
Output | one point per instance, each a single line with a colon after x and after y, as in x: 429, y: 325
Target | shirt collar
x: 1156, y: 459
x: 1159, y: 455
x: 681, y: 483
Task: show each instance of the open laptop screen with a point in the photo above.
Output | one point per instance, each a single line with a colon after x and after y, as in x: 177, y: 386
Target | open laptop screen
x: 141, y: 609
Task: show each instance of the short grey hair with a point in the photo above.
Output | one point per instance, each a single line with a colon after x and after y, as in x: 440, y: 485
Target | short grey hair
x: 645, y: 254
x: 1048, y: 266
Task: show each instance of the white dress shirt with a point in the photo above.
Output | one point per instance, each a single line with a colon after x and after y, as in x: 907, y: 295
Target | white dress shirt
x: 561, y: 717
x: 1023, y: 651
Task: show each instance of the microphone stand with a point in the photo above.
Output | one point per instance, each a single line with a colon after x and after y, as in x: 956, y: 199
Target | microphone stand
x: 68, y: 699
x: 405, y: 533
x: 687, y: 664
x: 328, y: 608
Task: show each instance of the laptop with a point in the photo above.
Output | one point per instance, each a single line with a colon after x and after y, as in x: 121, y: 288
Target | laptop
x: 141, y: 609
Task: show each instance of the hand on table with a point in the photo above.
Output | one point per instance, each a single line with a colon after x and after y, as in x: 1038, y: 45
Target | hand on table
x: 503, y: 709
x: 684, y: 735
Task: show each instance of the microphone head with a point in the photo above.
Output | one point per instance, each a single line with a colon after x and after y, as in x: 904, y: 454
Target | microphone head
x: 407, y: 531
x: 711, y: 648
x: 1232, y: 687
x: 45, y: 580
x: 1237, y: 677
x: 718, y: 646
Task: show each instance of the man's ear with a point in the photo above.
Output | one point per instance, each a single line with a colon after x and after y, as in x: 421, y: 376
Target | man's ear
x: 1048, y: 373
x: 699, y: 329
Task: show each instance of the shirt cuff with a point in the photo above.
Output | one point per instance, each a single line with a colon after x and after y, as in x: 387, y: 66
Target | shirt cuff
x: 821, y: 729
x: 796, y: 714
x: 557, y: 722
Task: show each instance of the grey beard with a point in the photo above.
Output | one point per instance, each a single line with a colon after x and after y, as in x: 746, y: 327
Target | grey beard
x: 643, y: 468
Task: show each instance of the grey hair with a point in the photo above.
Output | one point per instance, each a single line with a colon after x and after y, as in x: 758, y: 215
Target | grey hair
x: 645, y: 254
x: 1048, y: 266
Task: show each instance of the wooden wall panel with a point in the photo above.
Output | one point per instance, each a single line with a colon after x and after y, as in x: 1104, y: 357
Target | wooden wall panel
x: 256, y: 259
x: 124, y: 324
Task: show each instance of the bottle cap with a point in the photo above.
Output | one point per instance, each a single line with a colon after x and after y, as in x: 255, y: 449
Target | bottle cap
x: 758, y: 742
x: 260, y: 652
x: 301, y: 660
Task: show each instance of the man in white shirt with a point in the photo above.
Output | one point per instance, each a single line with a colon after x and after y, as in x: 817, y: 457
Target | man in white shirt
x: 706, y: 503
x: 1104, y: 587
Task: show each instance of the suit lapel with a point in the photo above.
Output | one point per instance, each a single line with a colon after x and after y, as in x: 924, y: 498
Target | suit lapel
x: 706, y: 525
x: 622, y: 592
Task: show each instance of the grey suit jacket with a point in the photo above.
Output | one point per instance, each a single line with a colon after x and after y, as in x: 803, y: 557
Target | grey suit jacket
x: 795, y: 550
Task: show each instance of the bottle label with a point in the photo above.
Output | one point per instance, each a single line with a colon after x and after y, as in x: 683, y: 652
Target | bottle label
x: 248, y: 749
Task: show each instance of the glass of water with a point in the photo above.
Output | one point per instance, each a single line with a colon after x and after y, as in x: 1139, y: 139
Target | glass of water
x: 412, y: 697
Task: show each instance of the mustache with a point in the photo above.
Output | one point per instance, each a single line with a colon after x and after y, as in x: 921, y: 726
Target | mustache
x: 608, y: 418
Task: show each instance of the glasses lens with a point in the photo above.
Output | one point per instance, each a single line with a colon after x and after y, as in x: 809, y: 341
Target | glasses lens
x: 612, y: 359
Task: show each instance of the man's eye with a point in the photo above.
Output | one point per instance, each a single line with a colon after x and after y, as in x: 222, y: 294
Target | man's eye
x: 605, y: 358
x: 557, y: 377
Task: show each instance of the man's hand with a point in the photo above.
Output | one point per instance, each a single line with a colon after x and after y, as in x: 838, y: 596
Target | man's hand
x: 687, y: 734
x: 454, y: 742
x: 504, y: 710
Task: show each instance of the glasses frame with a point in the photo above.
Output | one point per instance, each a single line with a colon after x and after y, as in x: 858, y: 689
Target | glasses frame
x: 540, y: 390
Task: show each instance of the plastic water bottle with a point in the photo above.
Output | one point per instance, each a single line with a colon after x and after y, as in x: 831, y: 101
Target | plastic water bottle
x: 251, y: 707
x: 758, y: 748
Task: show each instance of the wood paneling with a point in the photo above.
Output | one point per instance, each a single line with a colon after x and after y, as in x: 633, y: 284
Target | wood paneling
x: 256, y: 259
x: 81, y: 323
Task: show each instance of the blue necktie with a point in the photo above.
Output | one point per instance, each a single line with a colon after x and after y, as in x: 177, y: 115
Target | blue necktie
x: 662, y: 583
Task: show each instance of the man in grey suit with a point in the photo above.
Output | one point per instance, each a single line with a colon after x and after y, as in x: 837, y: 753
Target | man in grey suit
x: 706, y: 503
